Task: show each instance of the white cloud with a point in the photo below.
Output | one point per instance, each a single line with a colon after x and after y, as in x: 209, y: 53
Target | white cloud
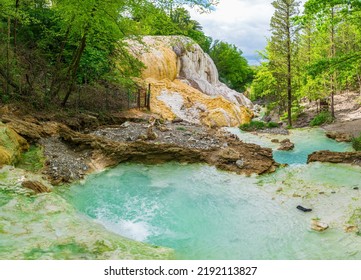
x: 244, y: 23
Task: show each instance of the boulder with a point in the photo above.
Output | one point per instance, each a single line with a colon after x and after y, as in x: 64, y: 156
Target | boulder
x: 339, y: 136
x: 319, y: 226
x: 286, y: 145
x: 335, y: 157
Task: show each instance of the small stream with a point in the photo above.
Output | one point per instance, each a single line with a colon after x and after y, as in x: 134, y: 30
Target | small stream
x: 204, y: 213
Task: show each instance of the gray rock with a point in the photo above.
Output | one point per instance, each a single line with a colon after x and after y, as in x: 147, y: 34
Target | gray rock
x: 240, y: 163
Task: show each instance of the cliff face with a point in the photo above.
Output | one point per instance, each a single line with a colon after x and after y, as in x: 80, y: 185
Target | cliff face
x: 185, y: 83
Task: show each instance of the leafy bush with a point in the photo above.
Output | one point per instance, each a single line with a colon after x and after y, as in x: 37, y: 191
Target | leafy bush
x: 33, y: 160
x: 322, y: 118
x: 272, y: 125
x: 257, y: 125
x: 356, y: 143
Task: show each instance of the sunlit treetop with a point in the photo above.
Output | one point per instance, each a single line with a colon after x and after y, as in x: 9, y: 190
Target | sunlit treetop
x: 201, y: 5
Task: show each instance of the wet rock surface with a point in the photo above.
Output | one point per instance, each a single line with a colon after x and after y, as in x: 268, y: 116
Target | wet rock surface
x: 319, y: 226
x: 336, y: 157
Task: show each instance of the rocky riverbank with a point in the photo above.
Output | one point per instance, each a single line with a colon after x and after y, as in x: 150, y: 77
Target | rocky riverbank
x: 336, y: 157
x: 72, y: 154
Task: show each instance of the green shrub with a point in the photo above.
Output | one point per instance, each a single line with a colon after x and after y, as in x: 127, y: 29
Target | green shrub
x: 356, y: 143
x: 272, y: 125
x: 257, y: 125
x: 33, y: 160
x: 322, y: 118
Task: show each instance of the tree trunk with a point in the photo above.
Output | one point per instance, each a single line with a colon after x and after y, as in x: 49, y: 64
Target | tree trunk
x: 8, y: 59
x: 289, y: 72
x: 17, y: 4
x: 333, y: 53
x: 74, y: 68
x: 56, y: 78
x: 359, y: 82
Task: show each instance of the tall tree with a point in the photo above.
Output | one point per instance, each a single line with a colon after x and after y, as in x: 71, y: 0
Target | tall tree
x: 329, y: 16
x: 284, y: 31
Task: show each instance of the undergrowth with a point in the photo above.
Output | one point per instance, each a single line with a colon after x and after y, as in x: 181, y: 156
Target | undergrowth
x: 356, y: 143
x: 33, y: 160
x: 257, y: 125
x: 323, y: 117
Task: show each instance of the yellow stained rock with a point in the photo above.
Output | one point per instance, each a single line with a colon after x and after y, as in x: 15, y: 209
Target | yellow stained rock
x: 11, y: 145
x: 167, y: 58
x: 217, y: 112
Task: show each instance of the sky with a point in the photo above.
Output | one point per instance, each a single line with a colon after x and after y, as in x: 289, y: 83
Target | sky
x: 244, y: 23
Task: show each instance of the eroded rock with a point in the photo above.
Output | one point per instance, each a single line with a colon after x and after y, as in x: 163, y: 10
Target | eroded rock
x: 339, y: 136
x: 319, y: 226
x: 286, y: 145
x: 335, y: 157
x: 350, y: 229
x: 36, y: 186
x: 255, y: 158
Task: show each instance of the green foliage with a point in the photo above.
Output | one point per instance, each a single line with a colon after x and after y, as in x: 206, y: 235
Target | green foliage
x: 264, y: 85
x: 32, y: 160
x: 356, y: 143
x: 232, y: 66
x: 323, y: 117
x: 50, y: 49
x: 296, y: 112
x: 257, y: 125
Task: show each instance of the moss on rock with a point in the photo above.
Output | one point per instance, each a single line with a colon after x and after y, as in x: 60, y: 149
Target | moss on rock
x: 32, y: 160
x: 11, y: 145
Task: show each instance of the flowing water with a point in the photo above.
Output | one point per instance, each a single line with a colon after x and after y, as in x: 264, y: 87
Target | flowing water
x: 204, y: 213
x: 307, y: 140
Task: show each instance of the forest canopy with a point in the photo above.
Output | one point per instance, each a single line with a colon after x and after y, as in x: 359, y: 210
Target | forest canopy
x: 59, y: 52
x: 311, y: 55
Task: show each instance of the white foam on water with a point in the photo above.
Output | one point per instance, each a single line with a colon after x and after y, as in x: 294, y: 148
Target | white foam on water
x: 138, y: 231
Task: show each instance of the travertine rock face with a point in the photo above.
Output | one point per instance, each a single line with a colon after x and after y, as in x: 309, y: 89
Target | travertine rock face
x: 11, y: 145
x: 185, y: 83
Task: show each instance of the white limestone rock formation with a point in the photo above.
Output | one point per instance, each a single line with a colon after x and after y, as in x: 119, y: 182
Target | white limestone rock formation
x: 185, y: 83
